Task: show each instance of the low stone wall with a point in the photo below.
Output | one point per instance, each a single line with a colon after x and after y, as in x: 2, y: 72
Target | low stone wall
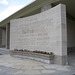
x: 36, y: 56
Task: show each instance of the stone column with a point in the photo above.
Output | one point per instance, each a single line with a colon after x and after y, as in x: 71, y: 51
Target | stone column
x: 64, y: 34
x: 0, y: 37
x: 62, y: 57
x: 4, y: 37
x: 8, y: 36
x: 45, y: 7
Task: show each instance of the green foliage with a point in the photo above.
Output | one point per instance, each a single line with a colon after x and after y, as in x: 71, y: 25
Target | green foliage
x: 35, y: 51
x: 43, y: 52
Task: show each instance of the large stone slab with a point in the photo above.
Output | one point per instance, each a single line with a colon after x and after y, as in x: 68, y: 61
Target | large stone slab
x: 45, y: 31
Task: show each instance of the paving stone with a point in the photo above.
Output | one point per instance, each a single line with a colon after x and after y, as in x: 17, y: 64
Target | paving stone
x: 63, y: 69
x: 38, y: 67
x: 50, y: 67
x: 18, y: 66
x: 62, y: 73
x: 28, y: 72
x: 48, y: 71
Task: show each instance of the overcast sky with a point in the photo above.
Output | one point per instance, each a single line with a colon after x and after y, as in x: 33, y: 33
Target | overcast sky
x: 8, y: 7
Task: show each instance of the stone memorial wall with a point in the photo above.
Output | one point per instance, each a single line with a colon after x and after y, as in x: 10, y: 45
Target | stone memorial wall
x: 42, y: 31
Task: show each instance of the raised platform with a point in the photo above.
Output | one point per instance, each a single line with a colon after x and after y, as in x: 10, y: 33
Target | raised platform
x: 35, y: 56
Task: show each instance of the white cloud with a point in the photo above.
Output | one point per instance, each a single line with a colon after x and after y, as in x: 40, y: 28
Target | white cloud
x: 5, y: 2
x: 9, y: 11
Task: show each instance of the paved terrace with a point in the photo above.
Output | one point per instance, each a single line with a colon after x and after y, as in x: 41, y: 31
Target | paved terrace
x: 18, y: 66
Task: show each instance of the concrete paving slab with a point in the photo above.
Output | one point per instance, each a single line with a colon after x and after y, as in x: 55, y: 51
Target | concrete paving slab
x: 17, y: 66
x: 48, y: 71
x: 4, y: 51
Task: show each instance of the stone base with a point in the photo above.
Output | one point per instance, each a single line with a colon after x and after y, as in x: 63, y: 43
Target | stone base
x: 60, y: 60
x: 35, y: 56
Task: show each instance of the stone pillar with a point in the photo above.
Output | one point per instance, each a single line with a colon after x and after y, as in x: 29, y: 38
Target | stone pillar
x: 4, y: 37
x: 0, y: 37
x: 46, y: 7
x: 8, y: 36
x: 62, y: 58
x: 64, y: 34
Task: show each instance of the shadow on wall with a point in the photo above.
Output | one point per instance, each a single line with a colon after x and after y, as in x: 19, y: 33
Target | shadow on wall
x: 71, y: 50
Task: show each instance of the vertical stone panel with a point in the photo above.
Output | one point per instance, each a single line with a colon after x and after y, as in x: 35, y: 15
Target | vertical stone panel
x: 0, y: 37
x: 4, y: 37
x: 64, y: 29
x: 64, y: 34
x: 8, y: 36
x: 63, y: 58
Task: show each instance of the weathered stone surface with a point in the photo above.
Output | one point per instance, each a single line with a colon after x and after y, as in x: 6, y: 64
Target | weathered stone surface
x: 0, y: 37
x: 34, y: 56
x: 18, y: 66
x: 45, y: 31
x: 8, y: 36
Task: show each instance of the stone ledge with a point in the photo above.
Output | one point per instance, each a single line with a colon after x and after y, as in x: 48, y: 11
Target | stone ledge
x: 35, y: 56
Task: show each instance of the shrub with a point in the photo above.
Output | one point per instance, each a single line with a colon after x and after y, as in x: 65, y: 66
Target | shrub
x: 42, y: 52
x: 15, y: 49
x: 35, y: 51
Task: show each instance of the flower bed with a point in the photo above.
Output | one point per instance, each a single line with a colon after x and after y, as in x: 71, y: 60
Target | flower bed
x: 34, y: 54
